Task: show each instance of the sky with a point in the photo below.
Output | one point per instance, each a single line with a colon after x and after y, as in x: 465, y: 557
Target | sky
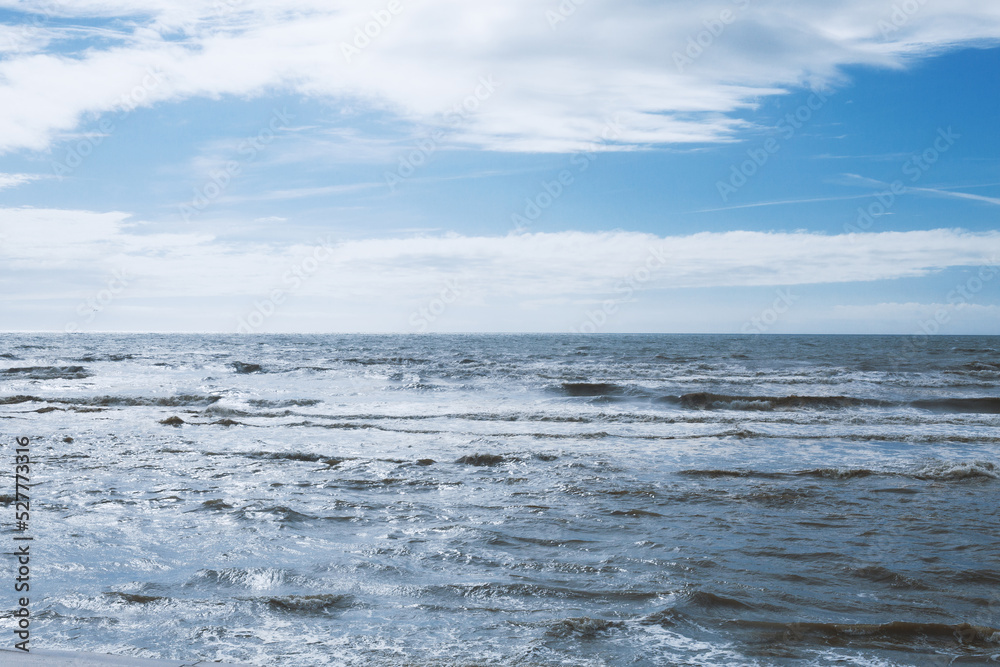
x: 589, y: 166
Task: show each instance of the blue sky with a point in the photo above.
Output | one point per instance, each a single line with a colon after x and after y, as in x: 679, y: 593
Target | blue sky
x: 224, y: 166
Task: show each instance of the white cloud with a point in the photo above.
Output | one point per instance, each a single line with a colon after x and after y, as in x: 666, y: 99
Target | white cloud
x: 611, y: 58
x: 298, y: 193
x: 960, y: 195
x: 14, y: 180
x: 63, y: 244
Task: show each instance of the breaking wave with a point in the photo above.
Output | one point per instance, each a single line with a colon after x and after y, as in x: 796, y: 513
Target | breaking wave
x: 48, y: 372
x: 944, y: 471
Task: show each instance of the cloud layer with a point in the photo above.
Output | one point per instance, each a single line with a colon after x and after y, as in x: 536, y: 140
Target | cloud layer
x: 669, y: 72
x: 63, y: 244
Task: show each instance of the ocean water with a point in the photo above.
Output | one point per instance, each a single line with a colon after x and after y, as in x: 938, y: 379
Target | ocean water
x: 510, y: 500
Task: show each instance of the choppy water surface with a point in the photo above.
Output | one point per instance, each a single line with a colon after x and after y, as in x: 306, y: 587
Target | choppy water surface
x: 512, y: 500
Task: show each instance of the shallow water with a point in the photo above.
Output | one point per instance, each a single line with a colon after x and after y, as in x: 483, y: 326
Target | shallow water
x: 512, y: 500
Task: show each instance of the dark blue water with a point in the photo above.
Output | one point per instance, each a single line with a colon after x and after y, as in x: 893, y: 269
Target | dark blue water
x: 512, y: 500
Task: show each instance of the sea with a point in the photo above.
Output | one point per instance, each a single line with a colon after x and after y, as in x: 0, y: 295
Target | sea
x: 460, y: 500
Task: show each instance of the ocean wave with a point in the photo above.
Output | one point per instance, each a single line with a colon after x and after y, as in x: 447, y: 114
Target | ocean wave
x: 382, y: 361
x: 751, y: 403
x: 709, y: 401
x: 48, y: 372
x: 954, y: 471
x: 180, y: 400
x: 592, y: 389
x: 883, y: 575
x: 943, y: 471
x: 135, y: 598
x: 254, y: 578
x: 287, y: 403
x: 329, y: 461
x: 303, y: 457
x: 583, y: 628
x: 694, y: 604
x: 987, y: 405
x: 349, y: 426
x: 525, y: 590
x: 213, y: 505
x: 220, y: 411
x: 484, y: 460
x: 389, y: 482
x: 227, y: 423
x: 635, y: 513
x: 14, y: 400
x: 708, y: 600
x: 896, y: 631
x: 310, y: 605
x: 279, y: 513
x: 981, y: 366
x: 246, y: 368
x: 89, y: 358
